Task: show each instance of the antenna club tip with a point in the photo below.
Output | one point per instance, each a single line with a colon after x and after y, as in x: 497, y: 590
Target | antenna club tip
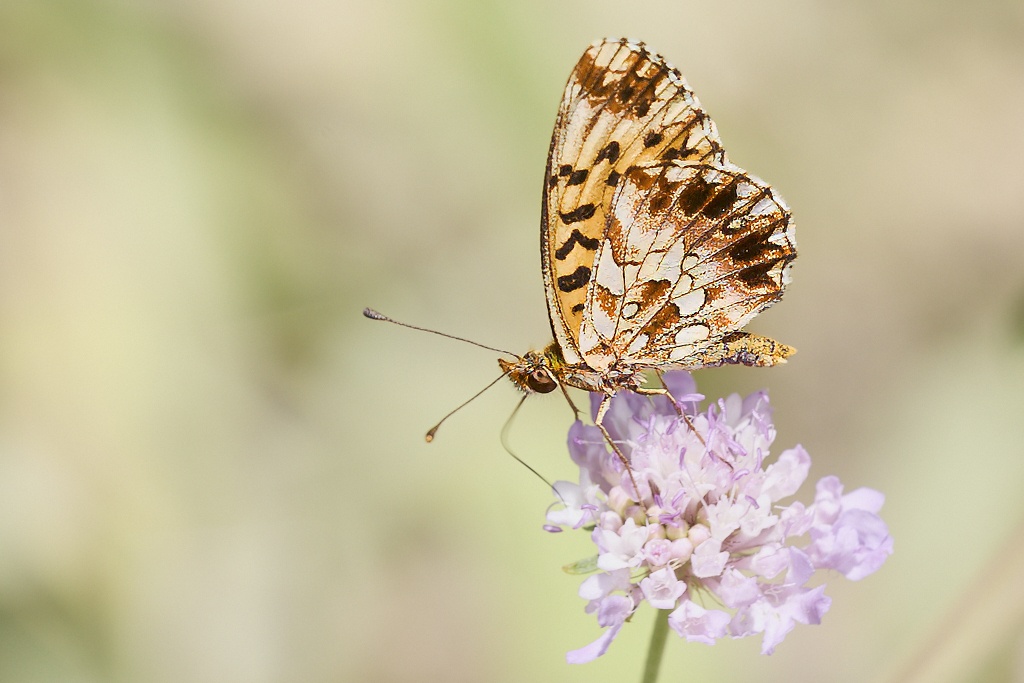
x: 372, y: 314
x: 430, y: 435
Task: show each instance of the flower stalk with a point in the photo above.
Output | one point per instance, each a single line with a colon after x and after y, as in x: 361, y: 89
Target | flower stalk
x: 656, y: 648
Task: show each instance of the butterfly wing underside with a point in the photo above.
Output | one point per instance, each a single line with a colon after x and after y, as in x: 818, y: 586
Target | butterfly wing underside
x: 690, y: 254
x: 622, y: 107
x: 655, y: 248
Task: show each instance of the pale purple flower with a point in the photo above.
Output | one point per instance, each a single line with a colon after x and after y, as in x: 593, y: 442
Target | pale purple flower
x: 662, y: 588
x: 658, y: 552
x: 706, y: 535
x: 621, y: 547
x: 698, y: 625
x: 847, y: 534
x: 612, y: 597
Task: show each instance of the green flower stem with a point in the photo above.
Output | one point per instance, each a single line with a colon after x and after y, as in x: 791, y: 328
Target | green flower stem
x: 657, y: 647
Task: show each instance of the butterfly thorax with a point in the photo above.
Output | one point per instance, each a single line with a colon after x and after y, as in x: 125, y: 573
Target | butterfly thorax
x: 542, y: 371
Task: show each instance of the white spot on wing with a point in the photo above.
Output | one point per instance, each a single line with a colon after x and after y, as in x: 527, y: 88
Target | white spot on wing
x: 683, y: 285
x: 691, y: 334
x: 681, y: 352
x: 604, y: 323
x: 765, y: 206
x: 744, y: 190
x: 663, y: 265
x: 690, y: 303
x: 588, y: 338
x: 609, y: 275
x: 786, y: 277
x: 637, y: 345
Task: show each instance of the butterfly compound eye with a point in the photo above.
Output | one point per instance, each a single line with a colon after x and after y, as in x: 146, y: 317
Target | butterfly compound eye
x: 541, y: 381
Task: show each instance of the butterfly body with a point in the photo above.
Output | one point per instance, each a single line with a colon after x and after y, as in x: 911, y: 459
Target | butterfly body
x: 655, y: 248
x: 542, y: 371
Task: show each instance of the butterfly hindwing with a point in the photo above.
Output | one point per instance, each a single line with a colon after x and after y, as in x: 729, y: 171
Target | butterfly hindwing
x: 690, y: 253
x: 623, y: 107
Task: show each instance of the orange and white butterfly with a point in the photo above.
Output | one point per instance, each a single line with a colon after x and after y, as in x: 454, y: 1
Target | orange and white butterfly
x: 656, y: 249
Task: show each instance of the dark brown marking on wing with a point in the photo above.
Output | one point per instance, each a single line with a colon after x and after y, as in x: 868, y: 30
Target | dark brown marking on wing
x: 610, y: 152
x: 661, y: 200
x: 662, y: 324
x: 644, y: 180
x: 713, y: 293
x: 695, y: 195
x: 650, y: 290
x: 578, y: 308
x: 661, y: 192
x: 653, y: 138
x: 604, y: 301
x: 630, y: 91
x: 553, y: 180
x: 580, y: 213
x: 757, y: 276
x: 613, y: 178
x: 564, y: 170
x: 721, y: 202
x: 682, y: 137
x: 578, y: 278
x: 752, y: 247
x: 576, y: 238
x: 729, y: 226
x: 578, y: 177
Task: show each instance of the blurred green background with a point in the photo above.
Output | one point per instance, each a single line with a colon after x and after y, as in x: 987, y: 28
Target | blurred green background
x: 212, y: 468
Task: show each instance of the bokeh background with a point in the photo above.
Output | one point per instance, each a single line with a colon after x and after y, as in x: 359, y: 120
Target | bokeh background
x: 212, y: 468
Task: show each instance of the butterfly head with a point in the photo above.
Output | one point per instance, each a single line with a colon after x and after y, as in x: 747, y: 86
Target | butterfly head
x: 532, y: 372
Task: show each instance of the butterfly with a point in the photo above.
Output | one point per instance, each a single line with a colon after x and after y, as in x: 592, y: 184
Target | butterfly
x: 656, y: 250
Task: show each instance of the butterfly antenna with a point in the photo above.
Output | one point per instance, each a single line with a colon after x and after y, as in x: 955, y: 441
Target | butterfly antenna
x: 508, y: 449
x: 374, y: 315
x: 433, y: 430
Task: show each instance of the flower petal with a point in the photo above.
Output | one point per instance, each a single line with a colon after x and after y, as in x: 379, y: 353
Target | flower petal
x: 662, y: 588
x: 612, y: 613
x: 590, y: 652
x: 708, y: 559
x: 698, y: 625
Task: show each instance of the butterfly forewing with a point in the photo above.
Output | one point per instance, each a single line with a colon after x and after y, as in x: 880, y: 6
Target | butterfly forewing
x: 622, y: 107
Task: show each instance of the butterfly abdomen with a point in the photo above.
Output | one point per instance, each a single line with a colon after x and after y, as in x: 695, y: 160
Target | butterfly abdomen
x: 743, y: 348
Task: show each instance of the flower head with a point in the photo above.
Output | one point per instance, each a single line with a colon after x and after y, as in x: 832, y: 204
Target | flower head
x: 704, y: 532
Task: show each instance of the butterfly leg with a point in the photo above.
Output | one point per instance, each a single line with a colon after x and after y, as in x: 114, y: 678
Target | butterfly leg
x: 663, y: 391
x: 599, y: 421
x: 565, y: 392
